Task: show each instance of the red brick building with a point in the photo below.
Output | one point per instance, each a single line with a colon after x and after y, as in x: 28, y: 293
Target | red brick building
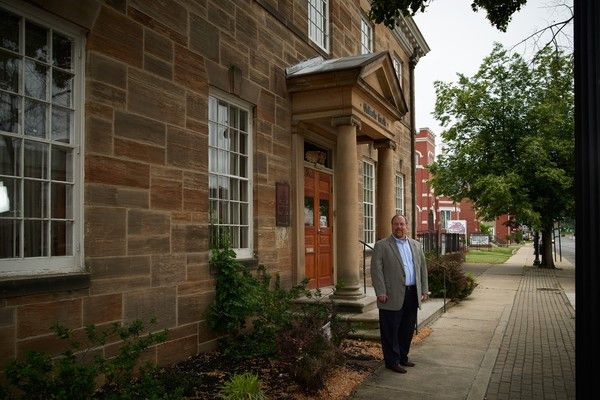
x: 130, y: 128
x: 433, y: 211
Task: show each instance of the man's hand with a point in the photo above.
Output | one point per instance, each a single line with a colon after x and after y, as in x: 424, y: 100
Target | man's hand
x: 424, y: 296
x: 382, y: 298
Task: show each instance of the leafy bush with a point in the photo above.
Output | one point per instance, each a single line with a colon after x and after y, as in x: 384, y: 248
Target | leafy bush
x: 458, y: 285
x: 236, y: 293
x: 74, y: 373
x: 243, y: 387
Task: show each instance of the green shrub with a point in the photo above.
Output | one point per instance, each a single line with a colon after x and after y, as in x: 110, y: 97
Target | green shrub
x: 458, y: 285
x: 75, y: 372
x: 242, y: 387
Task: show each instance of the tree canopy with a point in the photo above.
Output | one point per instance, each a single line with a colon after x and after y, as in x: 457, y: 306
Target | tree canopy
x: 499, y: 12
x: 509, y: 137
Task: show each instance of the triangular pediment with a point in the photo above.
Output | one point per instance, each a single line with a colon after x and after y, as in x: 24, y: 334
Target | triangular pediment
x: 381, y: 79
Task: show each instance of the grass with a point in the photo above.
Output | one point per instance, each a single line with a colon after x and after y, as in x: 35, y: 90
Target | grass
x: 493, y: 255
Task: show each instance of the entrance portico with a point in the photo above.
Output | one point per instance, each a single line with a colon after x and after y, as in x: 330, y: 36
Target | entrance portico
x: 337, y: 105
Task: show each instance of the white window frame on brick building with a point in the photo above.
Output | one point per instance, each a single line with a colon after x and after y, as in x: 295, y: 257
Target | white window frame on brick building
x: 445, y: 216
x: 318, y: 23
x: 366, y: 36
x: 398, y: 69
x: 399, y: 194
x: 368, y: 202
x: 41, y: 134
x: 230, y: 172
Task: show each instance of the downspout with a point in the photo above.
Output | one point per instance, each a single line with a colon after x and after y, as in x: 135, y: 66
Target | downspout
x: 413, y: 129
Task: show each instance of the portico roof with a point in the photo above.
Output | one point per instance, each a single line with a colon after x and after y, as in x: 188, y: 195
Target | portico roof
x: 364, y: 86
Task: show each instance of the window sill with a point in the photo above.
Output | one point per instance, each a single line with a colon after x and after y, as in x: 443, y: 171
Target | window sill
x: 28, y: 285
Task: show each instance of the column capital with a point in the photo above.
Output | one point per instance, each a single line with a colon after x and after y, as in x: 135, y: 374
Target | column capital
x: 384, y: 144
x: 345, y: 120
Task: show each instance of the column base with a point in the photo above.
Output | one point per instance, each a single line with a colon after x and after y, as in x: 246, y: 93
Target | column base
x: 348, y: 293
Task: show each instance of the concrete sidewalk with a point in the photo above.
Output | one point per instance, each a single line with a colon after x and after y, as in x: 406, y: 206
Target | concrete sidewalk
x: 513, y: 338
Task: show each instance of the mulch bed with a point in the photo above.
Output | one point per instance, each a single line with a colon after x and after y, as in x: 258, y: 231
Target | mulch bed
x: 209, y: 371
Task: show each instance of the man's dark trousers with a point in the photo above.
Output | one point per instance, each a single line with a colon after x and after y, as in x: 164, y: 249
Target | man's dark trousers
x: 397, y: 328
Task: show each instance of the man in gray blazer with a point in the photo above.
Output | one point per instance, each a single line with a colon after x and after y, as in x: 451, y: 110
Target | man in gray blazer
x: 399, y: 275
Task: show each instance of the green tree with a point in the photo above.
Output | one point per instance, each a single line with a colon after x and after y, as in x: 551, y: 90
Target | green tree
x: 499, y: 12
x: 510, y: 139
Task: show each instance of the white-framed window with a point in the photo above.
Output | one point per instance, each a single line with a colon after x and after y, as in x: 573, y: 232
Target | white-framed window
x: 445, y: 216
x: 366, y: 36
x: 398, y: 69
x: 41, y: 99
x: 399, y: 194
x: 230, y: 173
x: 368, y: 202
x: 318, y: 23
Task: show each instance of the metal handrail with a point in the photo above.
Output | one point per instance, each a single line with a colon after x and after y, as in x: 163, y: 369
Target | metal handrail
x: 365, y: 245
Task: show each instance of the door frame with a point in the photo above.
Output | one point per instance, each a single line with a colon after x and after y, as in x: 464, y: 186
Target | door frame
x: 301, y: 133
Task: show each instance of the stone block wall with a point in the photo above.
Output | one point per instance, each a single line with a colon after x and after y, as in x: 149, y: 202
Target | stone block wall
x: 149, y: 66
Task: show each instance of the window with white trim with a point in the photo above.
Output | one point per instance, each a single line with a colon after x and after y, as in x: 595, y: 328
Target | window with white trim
x: 230, y: 174
x: 40, y: 137
x: 318, y: 23
x: 445, y: 216
x: 368, y: 202
x: 366, y: 36
x: 399, y: 194
x: 398, y: 69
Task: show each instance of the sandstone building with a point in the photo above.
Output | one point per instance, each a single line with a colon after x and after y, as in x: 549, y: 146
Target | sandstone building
x: 133, y: 131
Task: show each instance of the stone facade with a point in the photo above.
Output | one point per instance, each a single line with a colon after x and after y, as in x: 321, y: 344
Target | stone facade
x: 149, y: 69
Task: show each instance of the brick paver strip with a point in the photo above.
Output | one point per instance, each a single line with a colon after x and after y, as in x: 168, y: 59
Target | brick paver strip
x: 536, y: 359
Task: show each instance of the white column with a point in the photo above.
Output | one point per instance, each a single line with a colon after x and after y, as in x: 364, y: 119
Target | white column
x: 386, y: 187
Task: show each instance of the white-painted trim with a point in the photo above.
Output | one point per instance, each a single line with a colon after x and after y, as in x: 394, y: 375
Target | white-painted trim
x: 326, y: 29
x: 243, y: 253
x: 74, y: 263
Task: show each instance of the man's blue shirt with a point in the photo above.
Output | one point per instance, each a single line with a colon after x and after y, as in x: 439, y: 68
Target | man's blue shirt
x: 407, y: 260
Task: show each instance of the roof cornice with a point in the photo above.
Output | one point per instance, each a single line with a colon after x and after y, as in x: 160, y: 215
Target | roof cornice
x: 410, y: 37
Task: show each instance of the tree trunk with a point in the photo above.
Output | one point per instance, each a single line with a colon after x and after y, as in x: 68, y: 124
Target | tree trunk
x: 547, y: 256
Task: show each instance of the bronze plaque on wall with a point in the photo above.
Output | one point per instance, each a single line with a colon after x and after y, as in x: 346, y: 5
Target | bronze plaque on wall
x: 282, y: 204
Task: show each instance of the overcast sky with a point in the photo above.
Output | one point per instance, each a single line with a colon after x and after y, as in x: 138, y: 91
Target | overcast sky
x: 460, y: 38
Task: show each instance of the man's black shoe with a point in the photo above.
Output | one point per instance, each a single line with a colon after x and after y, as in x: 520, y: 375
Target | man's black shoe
x: 407, y: 364
x: 396, y: 368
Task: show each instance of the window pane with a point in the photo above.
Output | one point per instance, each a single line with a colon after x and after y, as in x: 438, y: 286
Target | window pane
x: 9, y: 31
x: 62, y: 124
x: 234, y: 186
x: 243, y: 143
x: 323, y: 213
x: 35, y: 159
x: 35, y: 118
x: 10, y: 151
x: 223, y: 188
x: 62, y: 206
x: 62, y: 88
x: 212, y: 160
x: 212, y: 187
x: 244, y: 237
x: 212, y: 134
x: 62, y: 48
x: 62, y: 238
x: 223, y: 212
x: 35, y: 238
x: 233, y: 140
x: 243, y: 121
x: 223, y: 162
x: 9, y: 71
x: 233, y: 164
x: 62, y: 164
x: 36, y: 41
x: 244, y: 214
x: 235, y: 212
x: 309, y: 211
x: 35, y: 79
x: 243, y: 190
x: 9, y: 232
x: 233, y: 117
x: 34, y: 198
x: 213, y: 211
x: 222, y: 113
x: 223, y: 137
x: 243, y: 167
x: 9, y: 112
x: 14, y: 194
x: 235, y: 237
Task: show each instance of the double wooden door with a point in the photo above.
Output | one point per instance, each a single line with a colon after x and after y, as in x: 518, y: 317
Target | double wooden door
x: 318, y: 228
